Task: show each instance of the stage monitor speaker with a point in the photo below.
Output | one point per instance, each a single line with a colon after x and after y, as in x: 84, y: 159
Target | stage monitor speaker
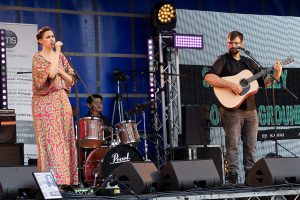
x: 7, y: 126
x: 14, y: 179
x: 184, y: 175
x: 140, y: 177
x: 194, y: 152
x: 274, y: 171
x: 12, y: 154
x: 215, y: 153
x: 195, y: 123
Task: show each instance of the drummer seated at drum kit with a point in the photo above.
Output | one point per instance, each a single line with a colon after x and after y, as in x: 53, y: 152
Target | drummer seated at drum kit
x: 95, y: 105
x: 94, y: 129
x: 103, y: 148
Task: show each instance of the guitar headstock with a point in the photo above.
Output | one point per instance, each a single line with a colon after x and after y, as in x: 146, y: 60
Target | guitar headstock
x: 287, y: 60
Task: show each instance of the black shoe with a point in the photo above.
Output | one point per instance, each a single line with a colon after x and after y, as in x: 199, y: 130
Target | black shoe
x: 233, y: 178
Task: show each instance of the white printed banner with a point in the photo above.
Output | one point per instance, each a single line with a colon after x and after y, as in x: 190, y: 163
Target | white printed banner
x: 20, y: 46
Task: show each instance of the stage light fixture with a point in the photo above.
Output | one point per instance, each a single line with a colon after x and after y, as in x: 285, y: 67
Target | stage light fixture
x: 164, y: 17
x: 150, y: 50
x: 151, y: 70
x: 166, y: 14
x: 3, y: 71
x: 189, y: 41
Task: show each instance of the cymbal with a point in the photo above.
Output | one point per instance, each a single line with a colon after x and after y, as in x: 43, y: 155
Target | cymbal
x: 140, y: 107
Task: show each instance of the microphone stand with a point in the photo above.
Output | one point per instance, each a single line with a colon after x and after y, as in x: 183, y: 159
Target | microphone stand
x: 77, y: 77
x: 274, y: 112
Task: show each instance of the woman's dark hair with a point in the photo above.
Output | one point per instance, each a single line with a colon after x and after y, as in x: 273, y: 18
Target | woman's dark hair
x: 233, y: 34
x: 90, y: 99
x: 41, y: 32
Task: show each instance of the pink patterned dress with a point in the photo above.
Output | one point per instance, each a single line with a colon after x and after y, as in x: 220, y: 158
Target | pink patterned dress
x: 53, y: 121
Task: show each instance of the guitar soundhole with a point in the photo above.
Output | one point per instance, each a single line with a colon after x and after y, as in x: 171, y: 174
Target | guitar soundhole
x: 244, y: 83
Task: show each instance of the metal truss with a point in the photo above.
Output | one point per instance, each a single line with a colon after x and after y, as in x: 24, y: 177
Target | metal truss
x: 168, y: 102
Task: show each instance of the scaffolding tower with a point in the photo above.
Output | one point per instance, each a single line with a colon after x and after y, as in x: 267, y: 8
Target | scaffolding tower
x: 167, y: 112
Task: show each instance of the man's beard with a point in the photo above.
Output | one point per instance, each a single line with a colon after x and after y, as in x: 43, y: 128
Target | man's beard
x: 233, y: 51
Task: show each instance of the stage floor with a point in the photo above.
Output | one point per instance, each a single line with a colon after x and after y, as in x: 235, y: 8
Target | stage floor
x: 287, y: 191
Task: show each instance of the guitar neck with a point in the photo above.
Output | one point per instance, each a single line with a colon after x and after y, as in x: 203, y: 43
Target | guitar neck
x: 283, y: 62
x: 260, y: 74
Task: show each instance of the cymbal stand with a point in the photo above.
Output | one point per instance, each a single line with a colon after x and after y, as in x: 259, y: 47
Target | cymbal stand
x: 118, y: 102
x: 145, y: 137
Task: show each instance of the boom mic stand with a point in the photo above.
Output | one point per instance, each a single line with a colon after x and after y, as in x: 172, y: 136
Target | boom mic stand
x: 77, y: 77
x: 266, y: 71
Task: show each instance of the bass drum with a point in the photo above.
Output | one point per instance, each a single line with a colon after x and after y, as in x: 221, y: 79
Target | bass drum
x: 102, y: 161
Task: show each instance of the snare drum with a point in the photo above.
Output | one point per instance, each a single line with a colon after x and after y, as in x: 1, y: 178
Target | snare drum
x: 102, y: 161
x: 91, y: 132
x: 128, y: 133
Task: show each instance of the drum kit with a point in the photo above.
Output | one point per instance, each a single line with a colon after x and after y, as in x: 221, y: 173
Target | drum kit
x: 103, y: 148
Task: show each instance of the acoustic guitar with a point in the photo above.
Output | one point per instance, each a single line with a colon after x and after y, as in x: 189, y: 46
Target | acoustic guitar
x: 249, y: 83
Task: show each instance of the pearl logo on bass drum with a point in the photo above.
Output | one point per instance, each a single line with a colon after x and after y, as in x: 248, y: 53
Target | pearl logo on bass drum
x: 117, y: 160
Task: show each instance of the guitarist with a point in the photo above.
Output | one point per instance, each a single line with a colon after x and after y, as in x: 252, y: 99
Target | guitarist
x: 243, y: 121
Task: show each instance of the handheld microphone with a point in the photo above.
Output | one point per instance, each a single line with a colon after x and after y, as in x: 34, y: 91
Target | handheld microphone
x: 54, y: 42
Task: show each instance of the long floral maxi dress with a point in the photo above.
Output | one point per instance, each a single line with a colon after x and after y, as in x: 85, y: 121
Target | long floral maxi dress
x: 53, y: 121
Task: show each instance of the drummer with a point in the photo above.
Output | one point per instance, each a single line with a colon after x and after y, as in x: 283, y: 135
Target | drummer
x: 94, y: 103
